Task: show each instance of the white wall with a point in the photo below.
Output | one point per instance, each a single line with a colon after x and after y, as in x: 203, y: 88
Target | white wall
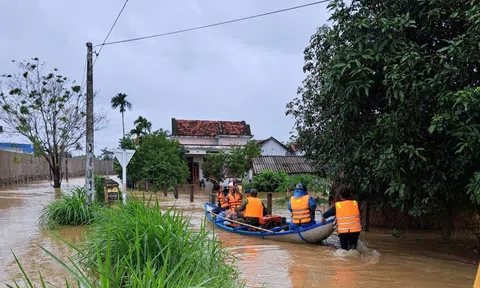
x: 196, y: 141
x: 232, y: 141
x: 272, y: 148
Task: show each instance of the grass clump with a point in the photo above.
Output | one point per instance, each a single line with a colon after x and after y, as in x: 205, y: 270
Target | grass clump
x: 70, y: 210
x: 145, y: 245
x: 136, y: 245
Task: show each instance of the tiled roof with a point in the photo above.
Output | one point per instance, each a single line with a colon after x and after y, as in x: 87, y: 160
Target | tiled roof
x: 209, y: 128
x: 288, y: 164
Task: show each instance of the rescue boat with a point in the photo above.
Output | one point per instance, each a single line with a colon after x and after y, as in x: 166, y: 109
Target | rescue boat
x: 313, y: 234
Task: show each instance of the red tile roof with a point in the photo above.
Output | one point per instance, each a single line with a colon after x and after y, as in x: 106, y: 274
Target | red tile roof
x: 207, y: 128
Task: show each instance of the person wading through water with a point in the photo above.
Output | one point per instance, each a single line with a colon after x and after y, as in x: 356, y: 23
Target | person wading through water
x: 348, y: 218
x: 252, y: 209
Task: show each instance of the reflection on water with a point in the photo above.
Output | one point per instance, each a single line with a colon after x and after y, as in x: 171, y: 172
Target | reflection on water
x: 386, y: 262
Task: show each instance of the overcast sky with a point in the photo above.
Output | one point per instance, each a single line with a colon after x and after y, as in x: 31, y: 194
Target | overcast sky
x: 242, y: 71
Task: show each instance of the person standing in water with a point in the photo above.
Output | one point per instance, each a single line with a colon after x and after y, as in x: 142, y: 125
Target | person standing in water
x: 348, y: 218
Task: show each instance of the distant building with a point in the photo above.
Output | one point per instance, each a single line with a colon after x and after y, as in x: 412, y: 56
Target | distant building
x: 296, y: 150
x: 273, y: 147
x: 17, y: 147
x: 201, y: 137
x: 291, y: 165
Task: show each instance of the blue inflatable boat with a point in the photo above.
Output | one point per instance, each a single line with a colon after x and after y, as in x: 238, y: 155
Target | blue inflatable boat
x: 313, y: 234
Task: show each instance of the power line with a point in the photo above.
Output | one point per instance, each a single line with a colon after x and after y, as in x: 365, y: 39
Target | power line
x: 213, y: 25
x: 111, y: 29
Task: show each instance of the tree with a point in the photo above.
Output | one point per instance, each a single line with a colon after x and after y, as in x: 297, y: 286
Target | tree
x: 239, y: 156
x: 162, y: 160
x: 213, y: 167
x: 142, y: 127
x: 120, y: 101
x: 391, y: 98
x: 47, y: 110
x: 107, y: 154
x: 157, y: 159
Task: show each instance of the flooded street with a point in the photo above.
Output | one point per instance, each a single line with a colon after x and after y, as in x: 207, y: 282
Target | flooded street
x: 387, y: 261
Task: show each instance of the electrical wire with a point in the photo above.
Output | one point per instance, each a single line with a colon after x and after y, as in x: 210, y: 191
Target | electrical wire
x: 212, y: 25
x: 109, y: 32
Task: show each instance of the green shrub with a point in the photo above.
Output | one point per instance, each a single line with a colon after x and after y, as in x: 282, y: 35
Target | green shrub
x: 70, y: 210
x: 313, y: 183
x: 99, y: 190
x: 155, y: 245
x: 269, y: 181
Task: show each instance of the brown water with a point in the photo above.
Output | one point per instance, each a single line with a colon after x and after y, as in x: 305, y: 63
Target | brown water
x: 386, y: 262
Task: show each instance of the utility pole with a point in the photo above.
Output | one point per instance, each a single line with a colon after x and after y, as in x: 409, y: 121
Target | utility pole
x: 90, y: 159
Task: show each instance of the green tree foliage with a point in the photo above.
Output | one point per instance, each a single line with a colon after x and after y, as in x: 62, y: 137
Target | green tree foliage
x: 47, y: 109
x: 120, y: 101
x: 163, y: 161
x: 269, y: 181
x: 391, y: 99
x: 213, y: 166
x: 157, y: 159
x: 313, y: 183
x: 107, y: 154
x: 142, y: 127
x: 239, y: 156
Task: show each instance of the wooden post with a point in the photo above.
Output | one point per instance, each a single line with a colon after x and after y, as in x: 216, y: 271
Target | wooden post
x: 213, y: 197
x: 165, y: 190
x: 191, y: 193
x: 269, y: 203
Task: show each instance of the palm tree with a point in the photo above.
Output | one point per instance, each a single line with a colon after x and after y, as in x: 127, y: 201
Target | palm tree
x: 142, y: 127
x: 120, y: 101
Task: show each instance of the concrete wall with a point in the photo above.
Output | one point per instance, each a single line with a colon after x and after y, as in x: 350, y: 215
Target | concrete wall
x: 17, y: 168
x: 272, y: 148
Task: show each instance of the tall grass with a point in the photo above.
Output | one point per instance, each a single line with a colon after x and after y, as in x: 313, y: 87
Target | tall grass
x: 136, y: 245
x: 145, y: 245
x: 70, y: 210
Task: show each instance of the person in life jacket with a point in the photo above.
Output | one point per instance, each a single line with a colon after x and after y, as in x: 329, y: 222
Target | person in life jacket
x: 220, y: 197
x: 302, y: 207
x: 252, y: 209
x: 233, y: 199
x: 348, y: 218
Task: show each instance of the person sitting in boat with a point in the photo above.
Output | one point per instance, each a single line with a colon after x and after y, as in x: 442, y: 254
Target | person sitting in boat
x: 302, y: 207
x: 222, y: 206
x: 252, y: 209
x: 234, y: 198
x: 348, y: 218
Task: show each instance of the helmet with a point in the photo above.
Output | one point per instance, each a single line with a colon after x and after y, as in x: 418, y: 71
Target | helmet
x: 301, y: 186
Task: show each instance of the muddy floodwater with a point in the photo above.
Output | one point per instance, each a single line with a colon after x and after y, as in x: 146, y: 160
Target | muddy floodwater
x: 385, y: 261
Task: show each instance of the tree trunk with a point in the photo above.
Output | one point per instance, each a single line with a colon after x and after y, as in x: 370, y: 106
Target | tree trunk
x: 56, y: 170
x: 123, y: 125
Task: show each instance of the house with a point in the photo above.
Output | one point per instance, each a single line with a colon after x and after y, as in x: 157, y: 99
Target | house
x: 201, y: 137
x: 291, y: 165
x: 273, y: 147
x: 17, y: 147
x: 296, y: 150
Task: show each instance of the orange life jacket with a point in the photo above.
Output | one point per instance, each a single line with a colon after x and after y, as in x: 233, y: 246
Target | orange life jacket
x: 300, y: 211
x: 234, y: 202
x: 254, y: 208
x: 348, y: 216
x: 220, y: 198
